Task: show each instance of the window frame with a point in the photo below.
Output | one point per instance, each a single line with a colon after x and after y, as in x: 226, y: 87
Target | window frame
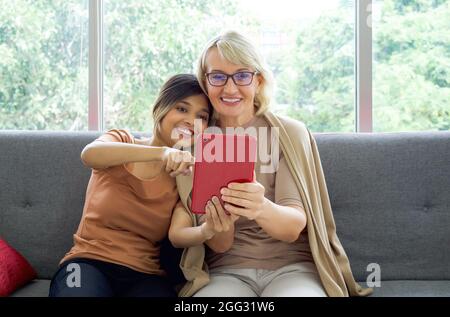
x: 96, y: 69
x: 363, y: 66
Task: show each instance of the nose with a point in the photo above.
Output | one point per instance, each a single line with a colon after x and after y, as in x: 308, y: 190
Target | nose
x: 230, y: 87
x: 189, y: 120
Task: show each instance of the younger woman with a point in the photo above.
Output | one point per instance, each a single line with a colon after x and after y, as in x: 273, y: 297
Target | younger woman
x: 129, y: 201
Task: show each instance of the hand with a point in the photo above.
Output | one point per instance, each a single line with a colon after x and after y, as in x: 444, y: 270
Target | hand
x: 177, y: 162
x: 248, y: 199
x: 217, y: 219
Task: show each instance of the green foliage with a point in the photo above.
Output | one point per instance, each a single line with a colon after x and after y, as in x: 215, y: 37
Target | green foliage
x: 44, y: 57
x: 411, y: 84
x: 147, y: 42
x: 43, y: 65
x: 318, y: 79
x: 412, y: 66
x: 44, y: 62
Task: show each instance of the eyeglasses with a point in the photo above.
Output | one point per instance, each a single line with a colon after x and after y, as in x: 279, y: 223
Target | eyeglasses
x: 239, y: 78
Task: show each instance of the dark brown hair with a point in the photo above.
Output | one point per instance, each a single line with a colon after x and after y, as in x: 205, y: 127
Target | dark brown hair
x: 175, y: 89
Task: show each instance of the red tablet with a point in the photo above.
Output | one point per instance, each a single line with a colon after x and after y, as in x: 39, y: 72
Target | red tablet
x: 220, y: 159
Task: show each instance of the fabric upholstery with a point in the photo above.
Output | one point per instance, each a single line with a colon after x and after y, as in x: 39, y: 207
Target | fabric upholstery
x: 388, y: 191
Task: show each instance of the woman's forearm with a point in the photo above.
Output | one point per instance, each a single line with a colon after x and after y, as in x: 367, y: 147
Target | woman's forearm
x: 221, y: 242
x: 187, y: 237
x: 284, y: 223
x: 190, y: 236
x: 105, y: 154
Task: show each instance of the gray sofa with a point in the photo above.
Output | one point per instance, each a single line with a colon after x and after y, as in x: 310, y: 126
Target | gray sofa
x: 390, y: 194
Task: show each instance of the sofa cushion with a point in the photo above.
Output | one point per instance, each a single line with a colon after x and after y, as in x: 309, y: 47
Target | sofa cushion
x: 390, y: 198
x: 36, y: 288
x: 388, y: 191
x: 412, y: 288
x: 15, y: 271
x: 43, y: 185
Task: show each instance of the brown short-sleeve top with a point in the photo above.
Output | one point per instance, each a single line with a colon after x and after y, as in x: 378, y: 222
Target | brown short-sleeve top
x: 125, y: 217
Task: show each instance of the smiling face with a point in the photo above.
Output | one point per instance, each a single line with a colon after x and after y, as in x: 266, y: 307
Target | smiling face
x: 234, y: 104
x: 179, y: 121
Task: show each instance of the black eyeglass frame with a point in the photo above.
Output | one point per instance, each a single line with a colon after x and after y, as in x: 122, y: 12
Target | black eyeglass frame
x: 232, y: 77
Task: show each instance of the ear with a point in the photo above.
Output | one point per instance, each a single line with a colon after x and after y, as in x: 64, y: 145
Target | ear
x: 259, y: 82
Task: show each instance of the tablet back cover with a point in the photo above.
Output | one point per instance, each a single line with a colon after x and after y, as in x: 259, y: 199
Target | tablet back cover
x: 220, y: 159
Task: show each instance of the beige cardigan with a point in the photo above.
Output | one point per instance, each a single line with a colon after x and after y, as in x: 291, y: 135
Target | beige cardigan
x: 302, y: 156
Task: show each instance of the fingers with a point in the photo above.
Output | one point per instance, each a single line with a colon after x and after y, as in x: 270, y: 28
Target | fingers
x: 218, y: 216
x: 246, y: 187
x: 209, y: 221
x: 214, y: 217
x: 209, y: 216
x: 237, y: 211
x: 169, y: 166
x: 224, y: 217
x: 183, y: 168
x: 187, y: 163
x: 168, y: 153
x: 180, y: 162
x: 245, y: 203
x: 233, y: 193
x: 238, y: 193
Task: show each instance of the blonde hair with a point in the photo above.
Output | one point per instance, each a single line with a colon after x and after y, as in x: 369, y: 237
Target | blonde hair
x: 237, y: 49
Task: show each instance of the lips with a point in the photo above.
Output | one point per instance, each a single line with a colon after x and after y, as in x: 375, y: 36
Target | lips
x: 185, y: 131
x: 230, y: 101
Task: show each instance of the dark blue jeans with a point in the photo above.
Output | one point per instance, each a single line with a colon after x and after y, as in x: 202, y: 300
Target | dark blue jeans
x: 103, y: 279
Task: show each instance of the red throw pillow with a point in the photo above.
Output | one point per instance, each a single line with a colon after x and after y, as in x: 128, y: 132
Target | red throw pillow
x: 15, y: 271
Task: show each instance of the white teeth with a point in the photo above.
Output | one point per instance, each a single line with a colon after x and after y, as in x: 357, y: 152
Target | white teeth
x: 231, y: 100
x: 184, y: 131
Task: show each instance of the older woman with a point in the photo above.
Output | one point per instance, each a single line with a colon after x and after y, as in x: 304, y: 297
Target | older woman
x: 278, y: 237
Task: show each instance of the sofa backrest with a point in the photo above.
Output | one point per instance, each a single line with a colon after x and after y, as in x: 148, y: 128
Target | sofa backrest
x: 43, y: 185
x: 390, y: 194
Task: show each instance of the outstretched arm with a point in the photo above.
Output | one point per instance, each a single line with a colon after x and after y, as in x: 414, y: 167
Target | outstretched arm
x: 99, y: 154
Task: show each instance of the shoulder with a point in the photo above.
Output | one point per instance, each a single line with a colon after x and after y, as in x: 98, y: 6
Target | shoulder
x: 143, y: 141
x: 290, y: 123
x: 117, y: 135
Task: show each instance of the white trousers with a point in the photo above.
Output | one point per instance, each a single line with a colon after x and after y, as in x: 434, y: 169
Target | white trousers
x: 294, y: 280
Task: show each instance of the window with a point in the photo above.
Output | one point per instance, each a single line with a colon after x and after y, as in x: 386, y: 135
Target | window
x: 411, y: 85
x: 310, y: 48
x: 146, y: 42
x: 309, y: 45
x: 43, y: 65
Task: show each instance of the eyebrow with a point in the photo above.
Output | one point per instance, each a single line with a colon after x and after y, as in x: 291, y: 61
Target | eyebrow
x: 239, y: 70
x: 184, y: 102
x: 188, y: 104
